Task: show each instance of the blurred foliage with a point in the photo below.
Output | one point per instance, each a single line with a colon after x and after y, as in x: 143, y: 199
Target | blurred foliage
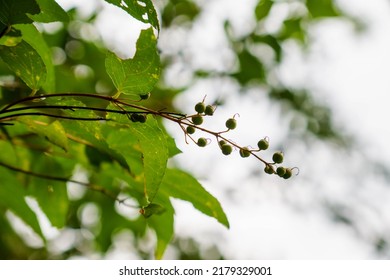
x: 79, y: 65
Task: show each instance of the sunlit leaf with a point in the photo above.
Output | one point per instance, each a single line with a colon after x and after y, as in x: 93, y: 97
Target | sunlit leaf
x: 34, y: 38
x: 26, y: 63
x: 152, y: 147
x: 143, y: 10
x: 50, y: 11
x: 85, y: 132
x: 139, y: 74
x: 181, y: 185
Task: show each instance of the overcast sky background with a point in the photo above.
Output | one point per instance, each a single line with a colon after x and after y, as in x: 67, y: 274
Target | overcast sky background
x: 272, y: 218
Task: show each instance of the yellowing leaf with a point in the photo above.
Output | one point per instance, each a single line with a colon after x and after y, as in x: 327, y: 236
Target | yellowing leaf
x: 26, y: 63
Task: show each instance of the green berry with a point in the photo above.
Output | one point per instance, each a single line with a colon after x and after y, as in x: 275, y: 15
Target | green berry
x: 190, y: 129
x: 281, y: 171
x: 202, y: 142
x: 245, y: 152
x: 226, y: 149
x: 197, y: 120
x: 288, y: 173
x: 277, y: 157
x: 200, y: 107
x: 145, y: 96
x: 209, y: 110
x: 269, y: 169
x: 221, y: 143
x: 263, y: 144
x: 231, y: 123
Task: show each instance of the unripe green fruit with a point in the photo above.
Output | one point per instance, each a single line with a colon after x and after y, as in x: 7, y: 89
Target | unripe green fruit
x: 197, y: 119
x: 190, y: 129
x: 202, y: 142
x: 221, y: 143
x: 145, y: 96
x: 281, y: 171
x: 288, y: 173
x: 244, y: 152
x: 269, y: 169
x: 263, y: 144
x: 226, y: 149
x: 277, y: 157
x: 200, y: 107
x: 209, y: 110
x: 231, y: 123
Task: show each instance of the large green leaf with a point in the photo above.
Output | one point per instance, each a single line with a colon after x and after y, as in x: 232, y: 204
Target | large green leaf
x: 50, y: 11
x: 143, y: 10
x: 181, y: 185
x: 139, y: 74
x: 26, y: 63
x: 33, y: 37
x: 152, y: 145
x: 13, y: 195
x: 16, y: 11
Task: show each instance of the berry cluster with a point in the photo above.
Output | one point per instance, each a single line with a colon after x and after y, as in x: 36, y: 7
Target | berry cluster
x: 137, y: 113
x: 190, y: 124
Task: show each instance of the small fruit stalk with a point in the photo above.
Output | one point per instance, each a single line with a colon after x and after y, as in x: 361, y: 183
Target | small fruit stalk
x: 192, y: 124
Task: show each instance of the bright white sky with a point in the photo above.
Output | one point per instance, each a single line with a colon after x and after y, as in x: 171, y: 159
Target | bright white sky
x: 272, y: 218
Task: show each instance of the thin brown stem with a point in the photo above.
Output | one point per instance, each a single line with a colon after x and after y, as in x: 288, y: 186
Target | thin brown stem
x: 93, y: 187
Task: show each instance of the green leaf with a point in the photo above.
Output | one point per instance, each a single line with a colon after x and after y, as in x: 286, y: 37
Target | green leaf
x: 139, y: 74
x: 13, y: 195
x: 16, y: 11
x: 181, y: 185
x: 26, y: 63
x: 292, y: 28
x: 51, y: 195
x: 263, y: 8
x: 251, y: 68
x: 272, y: 42
x: 86, y: 132
x: 152, y: 209
x: 143, y: 10
x: 33, y: 37
x: 50, y: 11
x: 53, y: 132
x: 152, y: 144
x: 322, y: 8
x: 163, y: 225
